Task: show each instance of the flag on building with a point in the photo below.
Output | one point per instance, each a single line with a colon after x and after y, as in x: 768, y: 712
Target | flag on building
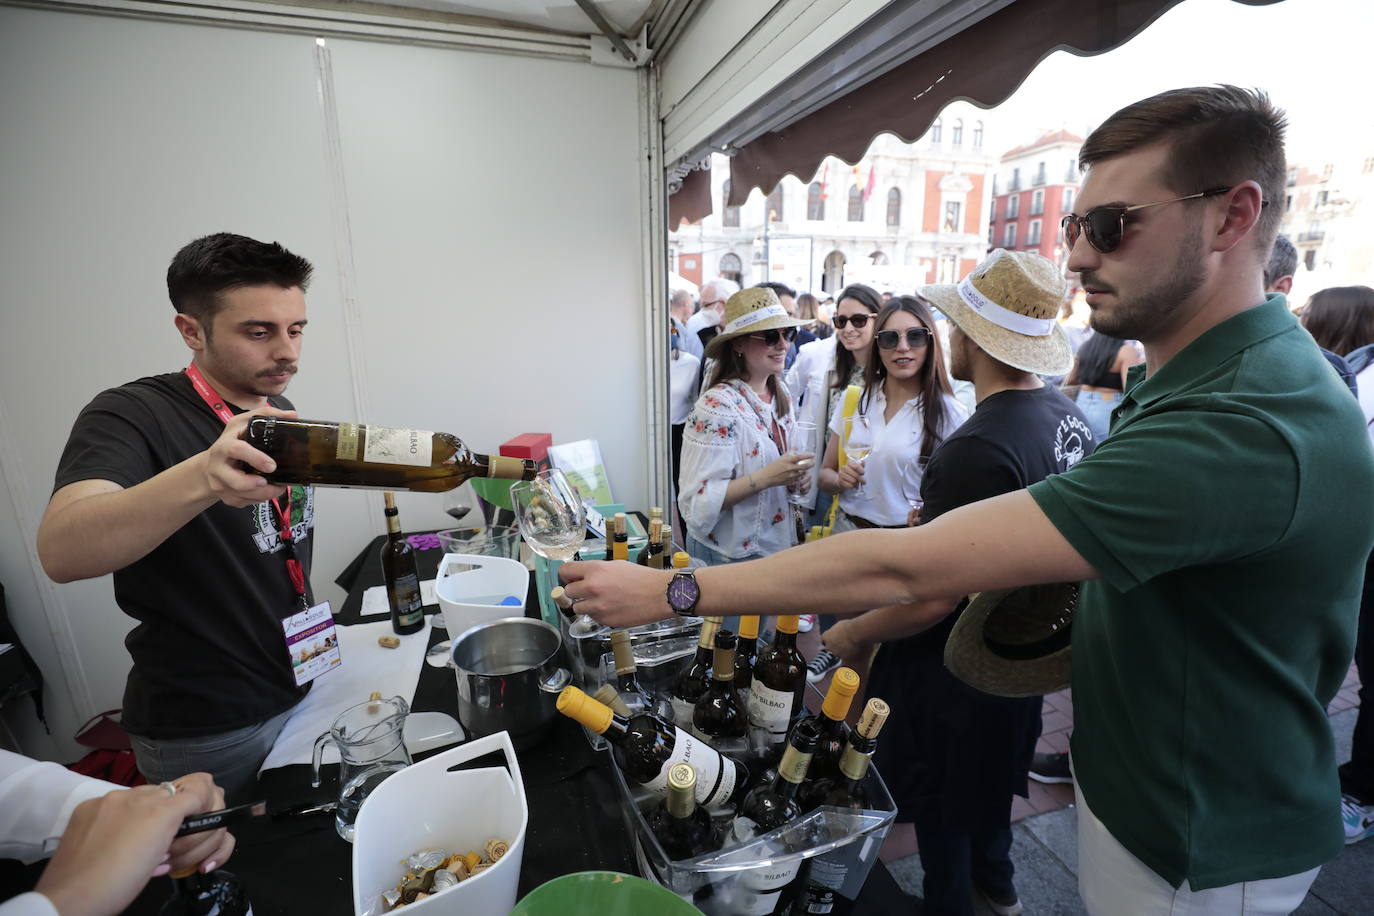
x: 868, y: 189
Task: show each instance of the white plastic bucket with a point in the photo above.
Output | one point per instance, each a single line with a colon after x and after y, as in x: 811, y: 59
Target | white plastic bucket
x: 490, y: 579
x: 426, y: 807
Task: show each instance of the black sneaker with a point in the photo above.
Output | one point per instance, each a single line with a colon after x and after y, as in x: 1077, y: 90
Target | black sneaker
x: 1051, y: 768
x: 1001, y: 904
x: 824, y: 662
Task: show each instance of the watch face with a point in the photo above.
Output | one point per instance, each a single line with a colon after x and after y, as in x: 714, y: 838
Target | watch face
x: 683, y: 592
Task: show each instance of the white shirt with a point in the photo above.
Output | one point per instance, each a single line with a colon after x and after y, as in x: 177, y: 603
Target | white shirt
x: 698, y: 321
x: 1364, y: 383
x: 688, y: 342
x: 810, y: 377
x: 813, y: 358
x: 36, y: 801
x: 896, y: 446
x: 682, y: 383
x: 728, y: 436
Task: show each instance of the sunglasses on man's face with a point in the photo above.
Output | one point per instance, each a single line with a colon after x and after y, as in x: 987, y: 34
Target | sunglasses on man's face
x: 857, y: 320
x: 1105, y: 226
x: 774, y: 337
x: 916, y: 338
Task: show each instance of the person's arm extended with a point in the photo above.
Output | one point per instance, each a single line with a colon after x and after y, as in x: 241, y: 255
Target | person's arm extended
x: 94, y: 527
x: 853, y: 638
x: 997, y: 543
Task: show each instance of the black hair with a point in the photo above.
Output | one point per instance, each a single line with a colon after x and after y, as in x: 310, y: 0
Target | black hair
x: 779, y: 289
x: 868, y: 297
x: 934, y: 378
x: 215, y: 264
x: 1095, y: 357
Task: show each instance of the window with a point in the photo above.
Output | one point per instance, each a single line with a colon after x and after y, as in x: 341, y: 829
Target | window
x: 957, y: 134
x: 992, y: 211
x: 856, y: 204
x: 1292, y: 177
x: 1067, y: 203
x: 1321, y: 198
x: 1015, y: 180
x: 1037, y: 202
x: 1033, y: 236
x: 948, y: 269
x: 1040, y: 173
x: 1072, y: 173
x: 894, y: 207
x: 952, y: 211
x: 729, y: 216
x: 878, y: 258
x: 772, y: 207
x: 977, y: 134
x: 1013, y: 206
x: 1288, y: 203
x: 815, y: 201
x: 992, y: 235
x: 936, y: 130
x: 731, y: 268
x: 1009, y: 237
x: 1309, y: 259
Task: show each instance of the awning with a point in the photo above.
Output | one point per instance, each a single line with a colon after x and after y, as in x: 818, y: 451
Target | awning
x: 984, y: 64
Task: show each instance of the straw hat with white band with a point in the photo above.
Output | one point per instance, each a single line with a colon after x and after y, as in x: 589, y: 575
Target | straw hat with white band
x: 1008, y: 305
x: 750, y: 311
x: 1014, y: 642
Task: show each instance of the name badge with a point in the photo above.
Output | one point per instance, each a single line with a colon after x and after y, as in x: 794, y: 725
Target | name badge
x: 312, y: 643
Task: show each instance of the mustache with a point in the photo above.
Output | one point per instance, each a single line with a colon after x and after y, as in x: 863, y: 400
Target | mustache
x: 288, y: 368
x: 1088, y: 278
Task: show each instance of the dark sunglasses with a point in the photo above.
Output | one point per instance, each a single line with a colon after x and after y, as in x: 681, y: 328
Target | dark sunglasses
x: 774, y: 337
x: 1104, y: 226
x: 857, y: 320
x: 916, y: 338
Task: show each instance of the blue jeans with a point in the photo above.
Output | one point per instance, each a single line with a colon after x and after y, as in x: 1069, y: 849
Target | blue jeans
x: 1097, y: 409
x: 232, y: 758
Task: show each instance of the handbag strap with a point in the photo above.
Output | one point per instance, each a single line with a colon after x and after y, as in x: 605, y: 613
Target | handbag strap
x: 851, y: 404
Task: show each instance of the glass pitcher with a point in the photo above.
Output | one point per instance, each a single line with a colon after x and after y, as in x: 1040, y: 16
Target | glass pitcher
x: 371, y: 742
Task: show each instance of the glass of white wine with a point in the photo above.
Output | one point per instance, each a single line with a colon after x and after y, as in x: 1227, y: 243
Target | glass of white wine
x: 913, y: 472
x: 552, y: 520
x: 858, y: 443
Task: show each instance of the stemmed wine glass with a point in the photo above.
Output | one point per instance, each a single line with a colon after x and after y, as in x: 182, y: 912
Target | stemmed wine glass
x: 552, y: 520
x: 913, y: 472
x: 858, y: 443
x: 804, y: 434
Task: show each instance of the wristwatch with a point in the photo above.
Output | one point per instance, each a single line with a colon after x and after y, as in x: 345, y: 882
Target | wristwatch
x: 684, y: 592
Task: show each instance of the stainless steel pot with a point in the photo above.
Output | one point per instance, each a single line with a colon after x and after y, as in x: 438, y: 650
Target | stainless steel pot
x: 509, y: 678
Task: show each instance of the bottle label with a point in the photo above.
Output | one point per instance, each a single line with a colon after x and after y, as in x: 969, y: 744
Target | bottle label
x: 769, y: 709
x: 827, y: 877
x: 385, y: 445
x: 346, y: 448
x: 404, y: 594
x: 715, y: 775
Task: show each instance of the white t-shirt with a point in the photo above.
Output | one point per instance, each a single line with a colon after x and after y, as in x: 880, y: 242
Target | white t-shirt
x: 896, y: 446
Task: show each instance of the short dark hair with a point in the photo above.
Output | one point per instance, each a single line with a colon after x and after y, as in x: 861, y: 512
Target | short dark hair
x: 780, y: 289
x: 1283, y: 261
x: 1218, y: 136
x: 1341, y: 318
x: 215, y: 264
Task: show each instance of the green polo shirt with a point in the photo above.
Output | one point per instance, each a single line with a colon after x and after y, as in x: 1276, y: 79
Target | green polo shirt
x: 1228, y: 517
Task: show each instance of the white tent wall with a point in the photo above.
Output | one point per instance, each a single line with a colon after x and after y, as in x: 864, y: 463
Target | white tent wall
x: 477, y: 231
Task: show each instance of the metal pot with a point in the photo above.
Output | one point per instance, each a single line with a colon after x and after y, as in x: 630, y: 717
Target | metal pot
x: 509, y: 678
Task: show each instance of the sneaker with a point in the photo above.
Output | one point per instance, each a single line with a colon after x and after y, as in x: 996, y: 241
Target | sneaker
x: 824, y: 662
x: 1051, y: 768
x: 1359, y: 819
x: 806, y: 623
x: 1001, y: 904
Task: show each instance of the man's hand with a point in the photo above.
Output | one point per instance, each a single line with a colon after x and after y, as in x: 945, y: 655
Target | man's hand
x: 113, y: 844
x: 844, y: 642
x: 222, y: 464
x: 617, y: 594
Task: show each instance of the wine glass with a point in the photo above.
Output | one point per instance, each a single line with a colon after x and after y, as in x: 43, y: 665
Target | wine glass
x: 803, y: 441
x: 913, y: 472
x: 552, y: 520
x: 459, y: 504
x: 858, y: 443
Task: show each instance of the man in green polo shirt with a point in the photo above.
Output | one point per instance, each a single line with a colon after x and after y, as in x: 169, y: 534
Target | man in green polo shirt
x: 1215, y: 532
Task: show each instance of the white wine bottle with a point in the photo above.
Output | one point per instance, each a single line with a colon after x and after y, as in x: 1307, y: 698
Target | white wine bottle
x: 377, y: 457
x: 775, y: 696
x: 682, y: 826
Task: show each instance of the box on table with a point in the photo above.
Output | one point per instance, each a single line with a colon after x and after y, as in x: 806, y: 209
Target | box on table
x: 533, y: 446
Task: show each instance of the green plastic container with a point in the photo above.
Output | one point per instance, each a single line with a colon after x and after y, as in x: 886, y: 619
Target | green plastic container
x: 602, y: 893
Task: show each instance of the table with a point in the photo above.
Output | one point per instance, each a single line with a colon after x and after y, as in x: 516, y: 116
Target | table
x: 297, y: 865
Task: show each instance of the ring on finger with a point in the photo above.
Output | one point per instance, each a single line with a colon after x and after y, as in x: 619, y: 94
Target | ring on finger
x: 171, y: 788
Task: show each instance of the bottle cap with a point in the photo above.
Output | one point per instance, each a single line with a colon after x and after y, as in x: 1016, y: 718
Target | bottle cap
x: 576, y: 705
x: 787, y: 623
x: 682, y: 775
x: 623, y: 652
x: 620, y: 524
x: 510, y: 468
x: 390, y: 499
x: 560, y: 597
x: 608, y: 696
x: 656, y: 529
x: 655, y: 512
x: 682, y: 784
x: 749, y: 627
x: 709, y: 626
x: 681, y: 559
x: 841, y: 694
x: 872, y: 718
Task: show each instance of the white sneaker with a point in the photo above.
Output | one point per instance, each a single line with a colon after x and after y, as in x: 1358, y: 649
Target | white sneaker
x: 806, y: 623
x: 1358, y: 819
x: 824, y: 662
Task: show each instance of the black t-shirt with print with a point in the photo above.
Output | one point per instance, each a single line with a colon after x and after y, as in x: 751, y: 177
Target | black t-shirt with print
x: 208, y: 651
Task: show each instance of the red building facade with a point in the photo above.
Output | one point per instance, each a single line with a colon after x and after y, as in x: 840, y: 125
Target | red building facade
x: 1036, y: 185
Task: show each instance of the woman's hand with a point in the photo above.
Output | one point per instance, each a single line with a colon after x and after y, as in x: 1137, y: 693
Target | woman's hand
x: 787, y: 471
x: 851, y: 475
x: 841, y: 639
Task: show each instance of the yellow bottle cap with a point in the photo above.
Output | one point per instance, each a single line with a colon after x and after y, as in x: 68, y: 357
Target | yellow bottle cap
x: 841, y: 693
x: 749, y: 627
x: 787, y: 623
x: 681, y: 560
x: 576, y: 705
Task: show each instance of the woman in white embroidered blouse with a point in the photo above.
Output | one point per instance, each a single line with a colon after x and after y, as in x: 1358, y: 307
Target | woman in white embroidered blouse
x: 910, y: 407
x: 736, y: 466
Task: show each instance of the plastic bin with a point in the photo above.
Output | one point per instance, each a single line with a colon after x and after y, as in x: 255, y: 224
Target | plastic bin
x: 470, y: 588
x: 428, y: 806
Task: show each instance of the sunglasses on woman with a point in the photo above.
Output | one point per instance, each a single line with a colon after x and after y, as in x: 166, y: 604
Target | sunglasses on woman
x: 857, y: 320
x: 915, y: 338
x: 774, y: 337
x: 1104, y: 226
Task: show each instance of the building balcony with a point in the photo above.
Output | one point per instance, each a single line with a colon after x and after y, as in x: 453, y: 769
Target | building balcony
x: 1039, y: 178
x: 1312, y: 235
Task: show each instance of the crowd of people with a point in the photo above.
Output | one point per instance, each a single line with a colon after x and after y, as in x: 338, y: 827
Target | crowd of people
x: 1195, y: 488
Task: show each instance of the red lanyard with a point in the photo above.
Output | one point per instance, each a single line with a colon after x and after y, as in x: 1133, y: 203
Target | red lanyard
x: 283, y: 513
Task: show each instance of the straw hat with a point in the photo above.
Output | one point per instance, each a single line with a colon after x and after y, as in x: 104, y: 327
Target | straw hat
x: 748, y: 312
x: 1008, y: 305
x: 1014, y: 642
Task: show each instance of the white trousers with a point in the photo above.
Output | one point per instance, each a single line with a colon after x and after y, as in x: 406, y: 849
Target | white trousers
x: 1112, y: 881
